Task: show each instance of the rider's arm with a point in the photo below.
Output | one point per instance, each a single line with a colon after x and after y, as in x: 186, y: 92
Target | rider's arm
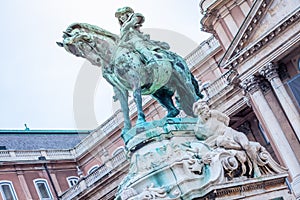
x: 132, y: 22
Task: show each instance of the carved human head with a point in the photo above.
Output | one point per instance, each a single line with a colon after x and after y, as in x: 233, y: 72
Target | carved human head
x: 201, y: 109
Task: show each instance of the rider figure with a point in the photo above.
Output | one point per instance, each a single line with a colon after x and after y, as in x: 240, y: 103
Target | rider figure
x: 149, y: 50
x: 130, y: 23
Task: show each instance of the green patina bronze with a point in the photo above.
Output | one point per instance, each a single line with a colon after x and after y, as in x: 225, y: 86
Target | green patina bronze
x: 134, y: 62
x: 170, y: 158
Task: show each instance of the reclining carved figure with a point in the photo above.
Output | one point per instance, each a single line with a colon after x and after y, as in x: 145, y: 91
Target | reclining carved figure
x: 212, y: 127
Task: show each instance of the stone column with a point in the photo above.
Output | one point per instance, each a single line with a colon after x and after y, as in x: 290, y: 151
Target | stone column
x: 258, y: 101
x: 270, y: 72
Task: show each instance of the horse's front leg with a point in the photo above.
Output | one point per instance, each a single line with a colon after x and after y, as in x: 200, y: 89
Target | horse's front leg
x: 122, y: 96
x: 137, y: 94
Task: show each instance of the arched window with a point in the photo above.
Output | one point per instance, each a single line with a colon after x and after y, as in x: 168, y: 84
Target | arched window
x: 205, y: 84
x: 43, y: 190
x: 7, y: 190
x: 118, y: 150
x: 72, y: 180
x: 94, y: 168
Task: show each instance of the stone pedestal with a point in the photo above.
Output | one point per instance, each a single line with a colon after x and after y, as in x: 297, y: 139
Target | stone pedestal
x: 167, y: 161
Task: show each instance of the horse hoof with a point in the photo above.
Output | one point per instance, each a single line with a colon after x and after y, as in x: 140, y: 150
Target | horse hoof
x: 173, y: 113
x: 140, y: 121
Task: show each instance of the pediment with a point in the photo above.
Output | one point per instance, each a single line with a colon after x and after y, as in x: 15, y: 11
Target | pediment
x: 263, y: 17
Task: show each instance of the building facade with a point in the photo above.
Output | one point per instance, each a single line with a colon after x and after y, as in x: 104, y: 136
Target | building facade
x: 249, y: 69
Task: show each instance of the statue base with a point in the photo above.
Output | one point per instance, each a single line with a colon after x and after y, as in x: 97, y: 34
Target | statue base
x: 167, y: 161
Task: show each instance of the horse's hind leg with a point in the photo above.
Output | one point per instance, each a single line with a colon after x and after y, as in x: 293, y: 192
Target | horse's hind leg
x: 139, y: 104
x: 164, y: 97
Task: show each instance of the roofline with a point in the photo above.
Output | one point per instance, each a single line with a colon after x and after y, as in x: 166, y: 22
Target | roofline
x: 230, y: 51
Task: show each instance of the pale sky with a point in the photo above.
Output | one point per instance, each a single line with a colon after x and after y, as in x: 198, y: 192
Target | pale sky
x: 38, y: 79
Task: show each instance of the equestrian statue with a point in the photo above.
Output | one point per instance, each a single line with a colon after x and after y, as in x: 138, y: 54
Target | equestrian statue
x: 134, y: 62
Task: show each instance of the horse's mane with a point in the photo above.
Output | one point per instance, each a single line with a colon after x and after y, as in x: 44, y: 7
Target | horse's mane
x: 93, y: 28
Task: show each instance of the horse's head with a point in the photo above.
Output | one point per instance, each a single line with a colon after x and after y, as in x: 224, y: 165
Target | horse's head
x: 90, y: 42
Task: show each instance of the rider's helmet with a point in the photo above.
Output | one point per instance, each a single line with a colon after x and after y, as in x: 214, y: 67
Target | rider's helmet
x: 124, y: 13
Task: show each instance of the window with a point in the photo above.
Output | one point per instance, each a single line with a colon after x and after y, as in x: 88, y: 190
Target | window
x: 94, y: 168
x: 294, y: 85
x: 72, y: 180
x: 118, y: 150
x: 278, y: 198
x: 43, y: 190
x: 7, y: 191
x: 263, y: 133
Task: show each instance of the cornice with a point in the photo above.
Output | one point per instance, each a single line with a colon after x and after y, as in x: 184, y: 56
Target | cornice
x: 244, y: 54
x: 208, y: 5
x: 269, y: 55
x: 249, y: 25
x: 210, y: 12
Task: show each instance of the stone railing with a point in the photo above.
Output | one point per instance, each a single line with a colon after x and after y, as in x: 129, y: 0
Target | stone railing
x: 107, y: 168
x: 217, y: 86
x: 20, y: 155
x: 204, y: 50
x: 86, y: 143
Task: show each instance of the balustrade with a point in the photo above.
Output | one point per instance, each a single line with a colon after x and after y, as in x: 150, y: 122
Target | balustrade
x: 204, y: 49
x: 217, y: 86
x: 97, y: 175
x: 64, y: 154
x: 118, y: 159
x: 4, y: 154
x: 72, y: 192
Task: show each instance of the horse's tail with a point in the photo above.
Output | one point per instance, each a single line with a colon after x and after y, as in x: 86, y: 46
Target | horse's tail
x: 196, y: 86
x: 180, y: 66
x: 185, y: 95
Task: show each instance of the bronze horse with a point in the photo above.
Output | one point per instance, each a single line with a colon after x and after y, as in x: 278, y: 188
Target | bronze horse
x: 124, y: 69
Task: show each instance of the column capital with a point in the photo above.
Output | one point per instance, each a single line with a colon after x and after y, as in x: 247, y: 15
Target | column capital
x: 250, y: 84
x: 269, y: 71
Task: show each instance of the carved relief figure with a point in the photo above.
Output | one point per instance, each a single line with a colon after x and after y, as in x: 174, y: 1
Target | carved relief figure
x: 212, y: 127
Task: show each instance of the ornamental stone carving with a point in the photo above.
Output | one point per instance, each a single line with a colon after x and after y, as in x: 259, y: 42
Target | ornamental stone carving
x: 238, y: 155
x: 269, y: 71
x: 172, y: 158
x: 250, y: 84
x: 150, y: 192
